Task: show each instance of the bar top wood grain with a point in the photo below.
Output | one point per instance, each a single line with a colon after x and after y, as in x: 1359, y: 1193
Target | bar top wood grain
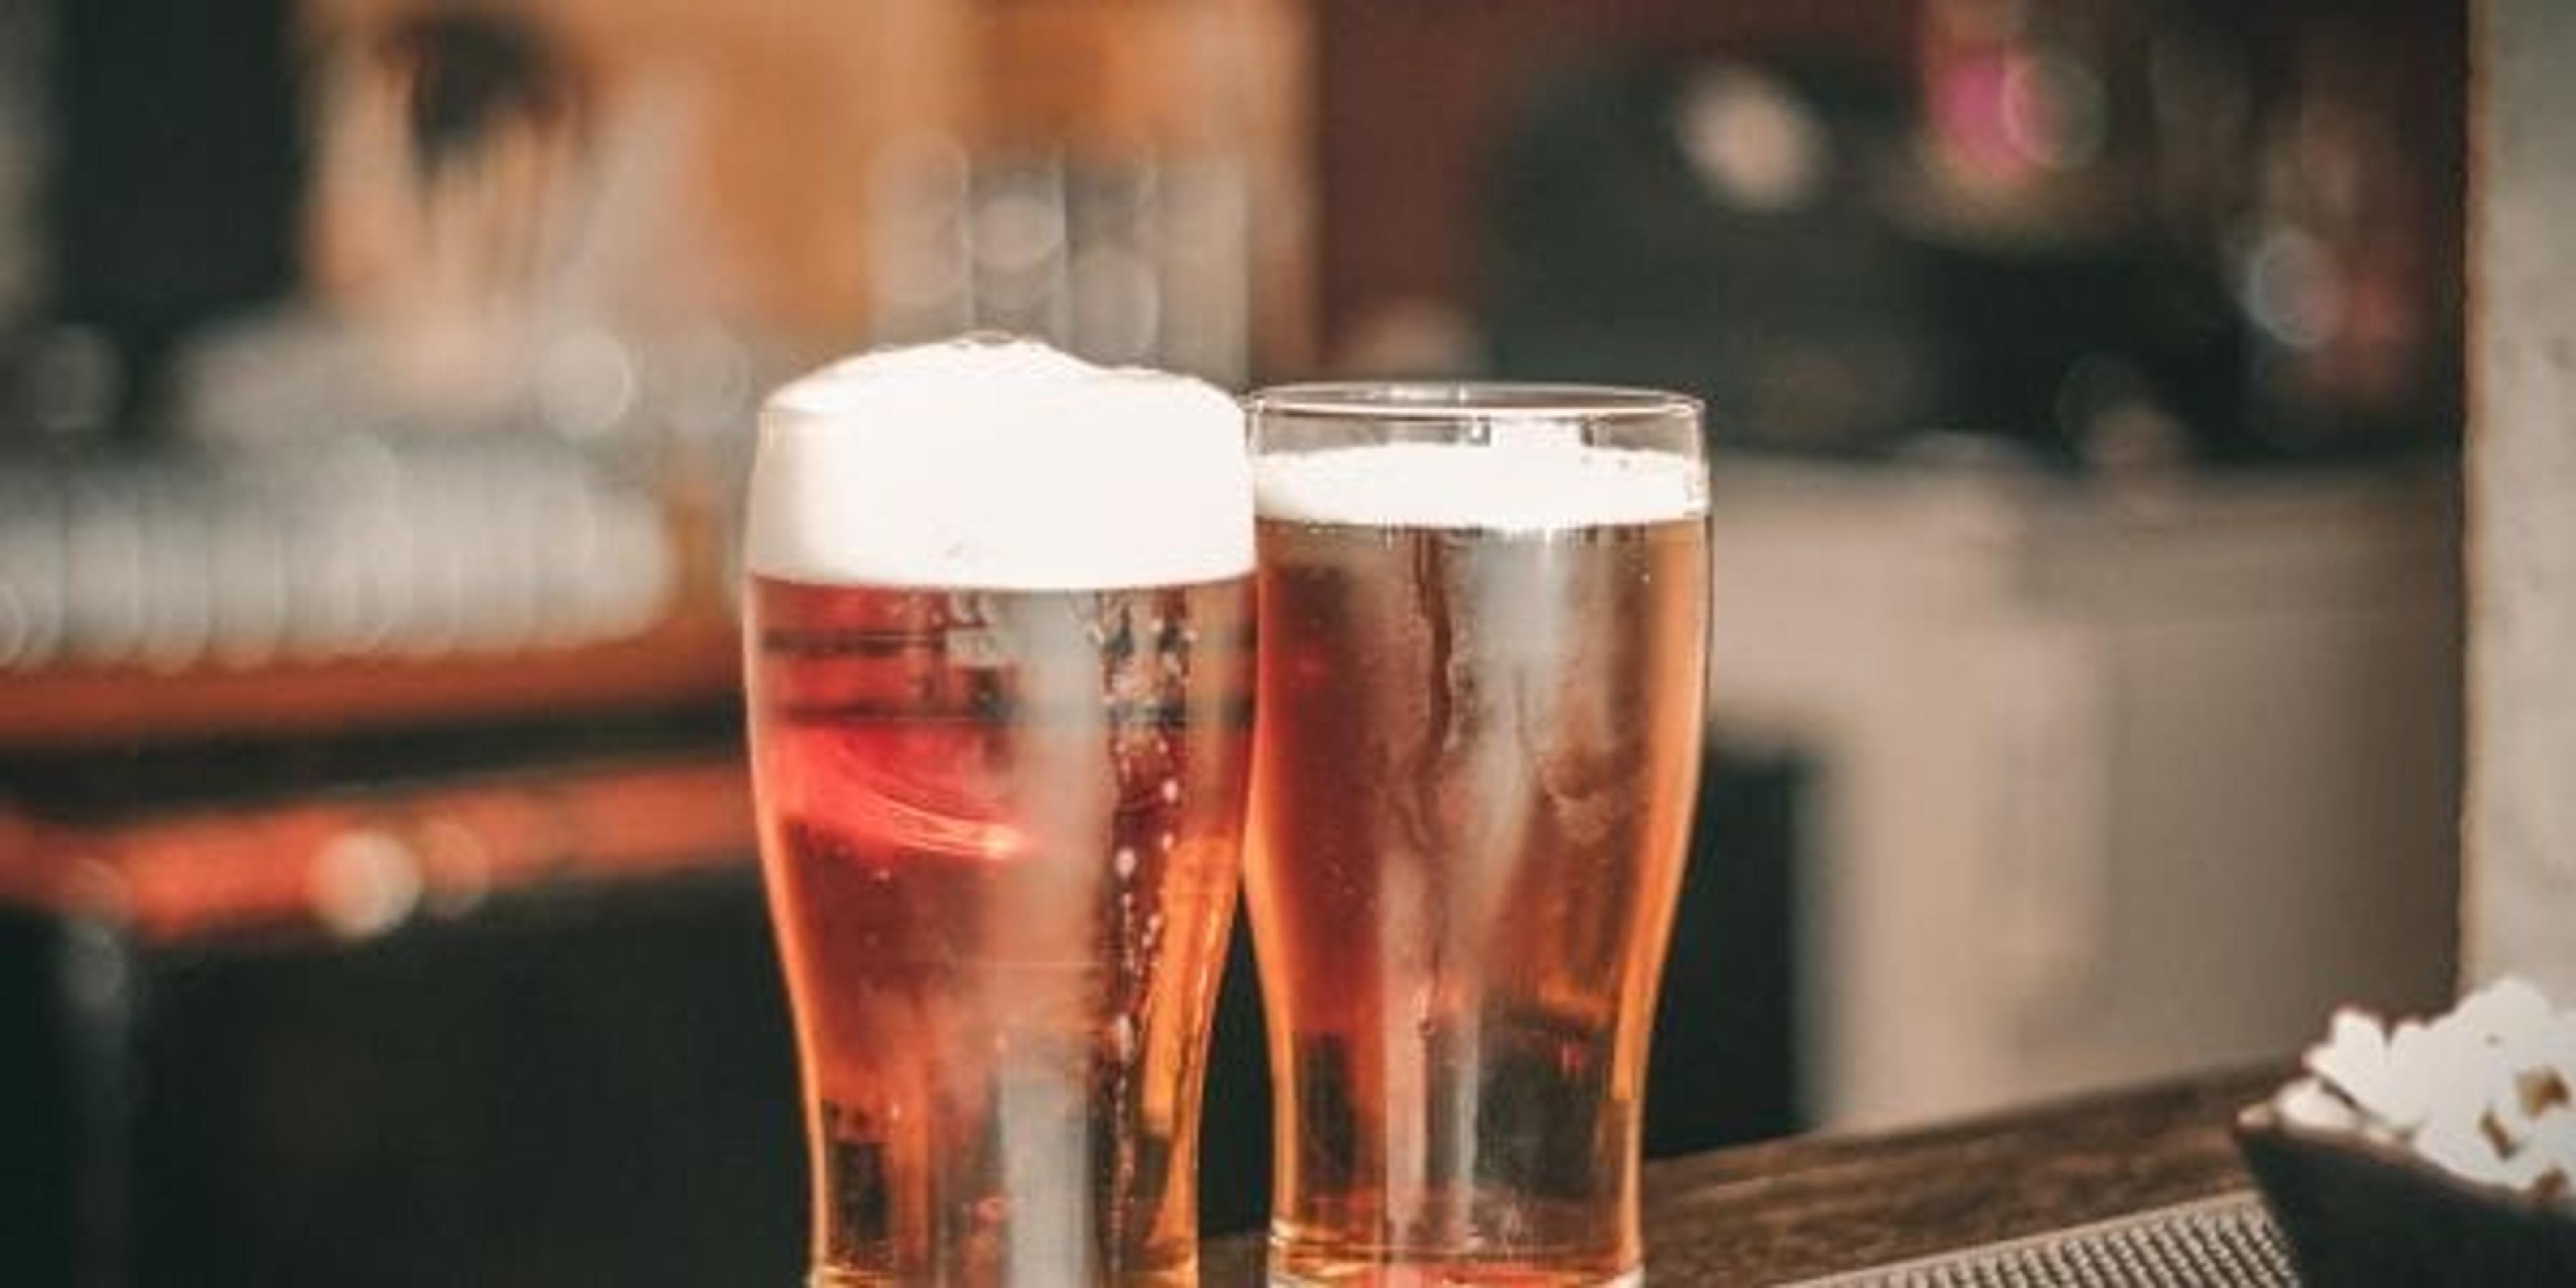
x: 1810, y: 1206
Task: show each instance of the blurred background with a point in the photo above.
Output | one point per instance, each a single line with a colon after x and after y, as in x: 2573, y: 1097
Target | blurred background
x: 377, y: 379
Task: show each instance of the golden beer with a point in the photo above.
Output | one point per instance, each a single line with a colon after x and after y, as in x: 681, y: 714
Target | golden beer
x: 1476, y: 763
x: 998, y: 631
x: 1000, y: 832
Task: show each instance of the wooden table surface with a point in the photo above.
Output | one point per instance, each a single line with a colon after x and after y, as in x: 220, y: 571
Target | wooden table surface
x: 1800, y: 1208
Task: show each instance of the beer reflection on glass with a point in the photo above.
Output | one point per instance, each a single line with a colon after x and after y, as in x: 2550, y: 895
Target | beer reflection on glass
x: 999, y: 632
x: 1482, y: 641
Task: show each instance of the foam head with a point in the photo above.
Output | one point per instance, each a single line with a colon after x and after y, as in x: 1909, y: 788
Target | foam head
x: 1534, y: 482
x: 998, y: 464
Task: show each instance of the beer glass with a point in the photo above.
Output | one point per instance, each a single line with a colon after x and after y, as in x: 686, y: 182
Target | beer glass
x: 998, y: 638
x: 1482, y: 648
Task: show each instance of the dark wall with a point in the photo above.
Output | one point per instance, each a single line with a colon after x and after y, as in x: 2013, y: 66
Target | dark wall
x: 595, y: 1083
x: 585, y: 1086
x: 179, y: 166
x: 1412, y: 98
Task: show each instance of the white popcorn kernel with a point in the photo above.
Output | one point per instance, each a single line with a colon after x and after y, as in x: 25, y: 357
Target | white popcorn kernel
x: 2525, y: 1169
x: 2553, y: 1135
x: 2500, y: 1112
x: 2548, y: 1047
x: 2507, y: 1007
x: 2486, y: 1093
x: 2523, y: 1097
x: 2356, y: 1036
x: 2307, y: 1104
x: 2429, y: 1066
x: 2456, y: 1144
x: 2354, y: 1060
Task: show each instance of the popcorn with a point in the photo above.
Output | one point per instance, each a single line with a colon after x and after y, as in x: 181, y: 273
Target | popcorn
x: 2508, y: 1006
x: 2486, y: 1093
x: 2455, y: 1145
x: 2553, y: 1142
x: 2306, y: 1103
x: 2355, y: 1061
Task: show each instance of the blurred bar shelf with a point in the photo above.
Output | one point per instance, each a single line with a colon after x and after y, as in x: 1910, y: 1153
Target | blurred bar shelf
x: 683, y: 660
x: 445, y: 995
x: 358, y: 863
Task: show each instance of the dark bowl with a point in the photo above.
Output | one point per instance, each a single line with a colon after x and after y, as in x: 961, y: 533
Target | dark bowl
x: 2360, y: 1213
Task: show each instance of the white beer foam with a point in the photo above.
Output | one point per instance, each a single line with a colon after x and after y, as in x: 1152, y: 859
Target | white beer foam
x: 998, y: 464
x: 1513, y: 484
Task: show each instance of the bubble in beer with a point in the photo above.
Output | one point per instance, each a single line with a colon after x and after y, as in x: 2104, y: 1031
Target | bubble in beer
x: 996, y: 463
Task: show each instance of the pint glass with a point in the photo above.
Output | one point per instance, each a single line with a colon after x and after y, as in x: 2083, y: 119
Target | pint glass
x: 1482, y: 648
x: 999, y: 646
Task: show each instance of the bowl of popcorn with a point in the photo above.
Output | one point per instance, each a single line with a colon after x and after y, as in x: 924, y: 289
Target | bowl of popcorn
x: 2437, y: 1152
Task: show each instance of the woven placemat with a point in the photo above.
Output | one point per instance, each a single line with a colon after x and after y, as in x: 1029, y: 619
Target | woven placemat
x: 2224, y: 1242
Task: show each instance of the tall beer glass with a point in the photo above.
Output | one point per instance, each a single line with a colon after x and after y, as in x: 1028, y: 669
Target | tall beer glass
x: 1483, y: 631
x: 999, y: 645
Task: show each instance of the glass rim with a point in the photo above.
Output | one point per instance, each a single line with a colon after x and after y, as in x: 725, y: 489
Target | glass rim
x: 1469, y: 400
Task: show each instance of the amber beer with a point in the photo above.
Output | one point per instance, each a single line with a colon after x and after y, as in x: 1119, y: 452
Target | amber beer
x: 1481, y: 675
x: 999, y: 824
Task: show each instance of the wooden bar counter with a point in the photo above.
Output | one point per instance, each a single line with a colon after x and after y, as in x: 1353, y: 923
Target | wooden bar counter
x: 1815, y: 1207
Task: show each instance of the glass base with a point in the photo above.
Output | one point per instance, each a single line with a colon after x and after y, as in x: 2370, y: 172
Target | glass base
x: 1183, y: 1275
x: 1438, y: 1275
